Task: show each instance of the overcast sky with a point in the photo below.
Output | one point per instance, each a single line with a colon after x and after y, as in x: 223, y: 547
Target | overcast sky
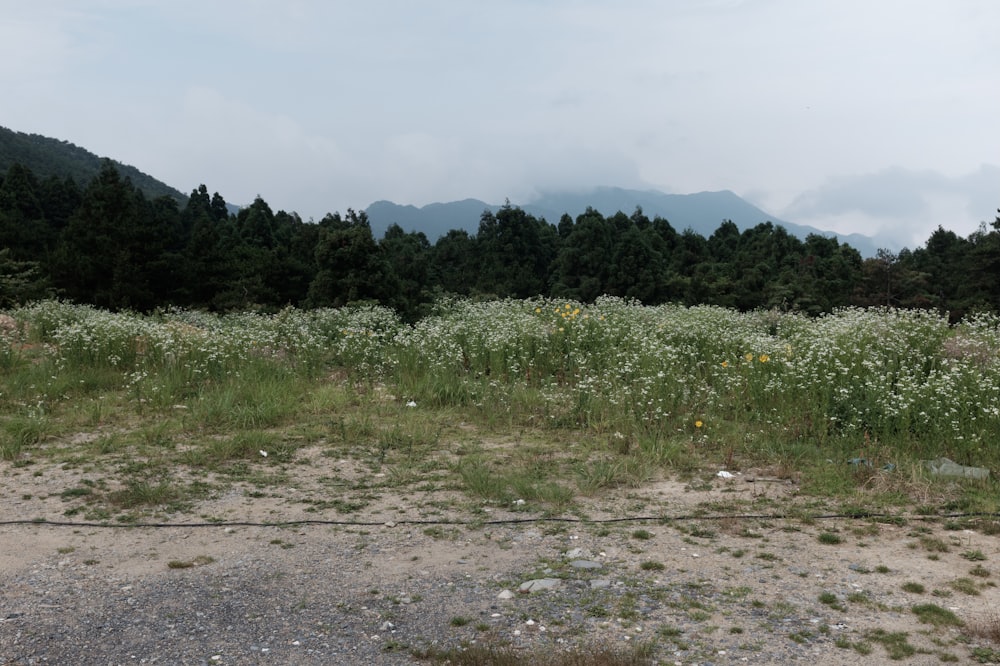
x: 850, y: 115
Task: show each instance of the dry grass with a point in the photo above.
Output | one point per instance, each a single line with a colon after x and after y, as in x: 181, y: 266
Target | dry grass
x: 508, y: 655
x: 986, y: 627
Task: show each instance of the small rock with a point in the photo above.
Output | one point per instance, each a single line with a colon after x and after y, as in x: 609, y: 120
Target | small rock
x: 386, y: 626
x: 585, y: 564
x: 505, y: 594
x: 540, y: 584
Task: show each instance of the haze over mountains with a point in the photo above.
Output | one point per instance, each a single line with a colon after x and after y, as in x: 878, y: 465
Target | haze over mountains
x: 701, y: 212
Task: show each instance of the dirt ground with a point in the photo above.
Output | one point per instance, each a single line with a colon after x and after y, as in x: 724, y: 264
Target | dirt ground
x: 712, y: 572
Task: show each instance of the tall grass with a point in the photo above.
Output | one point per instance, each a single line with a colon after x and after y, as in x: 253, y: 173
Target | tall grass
x: 670, y: 384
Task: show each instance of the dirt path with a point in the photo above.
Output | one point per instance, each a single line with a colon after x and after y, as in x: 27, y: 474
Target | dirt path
x: 717, y: 589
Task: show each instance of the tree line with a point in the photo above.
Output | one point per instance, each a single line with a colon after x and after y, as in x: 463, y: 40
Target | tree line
x: 106, y: 243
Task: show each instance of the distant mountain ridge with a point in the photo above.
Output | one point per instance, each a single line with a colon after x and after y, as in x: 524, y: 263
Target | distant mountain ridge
x: 47, y: 157
x: 702, y: 212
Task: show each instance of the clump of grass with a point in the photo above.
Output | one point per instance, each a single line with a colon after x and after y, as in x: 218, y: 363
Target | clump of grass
x: 896, y: 643
x: 494, y: 654
x: 934, y: 544
x: 974, y: 555
x: 200, y: 560
x: 965, y: 586
x: 980, y: 571
x: 143, y: 493
x: 642, y: 535
x: 650, y: 565
x: 830, y: 539
x: 830, y: 599
x: 914, y: 588
x: 987, y: 627
x: 936, y: 615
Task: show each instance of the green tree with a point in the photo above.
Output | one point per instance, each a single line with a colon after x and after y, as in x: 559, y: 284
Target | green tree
x: 453, y: 263
x: 207, y: 268
x: 101, y: 253
x: 637, y: 270
x: 20, y: 281
x: 580, y: 270
x: 350, y: 264
x: 514, y: 250
x: 409, y: 259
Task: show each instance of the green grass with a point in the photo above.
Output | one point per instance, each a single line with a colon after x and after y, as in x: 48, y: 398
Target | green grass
x: 513, y: 400
x: 896, y: 643
x: 936, y: 615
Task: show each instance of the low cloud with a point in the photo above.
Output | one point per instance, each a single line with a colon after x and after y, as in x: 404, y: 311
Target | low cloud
x: 903, y: 204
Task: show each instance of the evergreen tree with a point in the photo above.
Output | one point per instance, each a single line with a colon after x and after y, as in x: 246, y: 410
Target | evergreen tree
x: 100, y: 253
x: 514, y: 250
x: 409, y: 258
x: 350, y: 265
x: 580, y: 270
x: 453, y: 263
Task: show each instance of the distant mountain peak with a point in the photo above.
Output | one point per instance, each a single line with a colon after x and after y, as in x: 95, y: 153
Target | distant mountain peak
x: 702, y: 212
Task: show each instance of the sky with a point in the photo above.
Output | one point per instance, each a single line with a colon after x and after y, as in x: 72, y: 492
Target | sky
x: 869, y: 116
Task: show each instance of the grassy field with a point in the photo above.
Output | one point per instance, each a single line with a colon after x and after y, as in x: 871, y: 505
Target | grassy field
x: 537, y: 400
x: 536, y: 406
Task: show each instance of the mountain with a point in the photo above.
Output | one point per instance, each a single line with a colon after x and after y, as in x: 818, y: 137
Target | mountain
x: 701, y: 212
x: 51, y: 157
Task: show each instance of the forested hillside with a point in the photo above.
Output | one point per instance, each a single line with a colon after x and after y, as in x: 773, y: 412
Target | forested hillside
x: 106, y: 243
x: 51, y: 157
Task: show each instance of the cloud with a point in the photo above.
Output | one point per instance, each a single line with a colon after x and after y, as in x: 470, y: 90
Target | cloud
x: 240, y: 151
x: 904, y: 203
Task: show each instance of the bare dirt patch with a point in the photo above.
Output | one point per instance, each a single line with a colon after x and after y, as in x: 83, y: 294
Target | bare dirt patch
x: 711, y: 570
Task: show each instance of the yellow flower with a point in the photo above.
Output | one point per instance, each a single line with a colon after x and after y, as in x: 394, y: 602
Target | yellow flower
x: 749, y: 357
x: 725, y: 364
x: 538, y: 310
x: 698, y: 424
x: 764, y: 358
x: 567, y: 306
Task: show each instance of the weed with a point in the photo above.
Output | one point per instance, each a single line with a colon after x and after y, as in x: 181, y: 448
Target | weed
x: 895, y: 643
x: 914, y: 588
x: 501, y: 654
x: 830, y: 539
x: 965, y: 586
x: 987, y: 627
x: 936, y: 615
x: 200, y: 560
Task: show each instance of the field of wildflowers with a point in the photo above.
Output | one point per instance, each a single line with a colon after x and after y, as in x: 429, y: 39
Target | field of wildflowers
x: 675, y: 387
